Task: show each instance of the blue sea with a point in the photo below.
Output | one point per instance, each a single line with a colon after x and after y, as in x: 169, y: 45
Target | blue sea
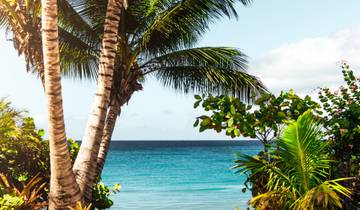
x: 177, y: 175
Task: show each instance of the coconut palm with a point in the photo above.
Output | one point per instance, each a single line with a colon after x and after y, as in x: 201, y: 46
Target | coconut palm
x: 157, y: 38
x: 64, y: 191
x: 85, y: 163
x: 298, y: 174
x: 22, y: 19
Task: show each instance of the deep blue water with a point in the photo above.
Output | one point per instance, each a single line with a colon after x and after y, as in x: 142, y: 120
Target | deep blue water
x: 177, y: 175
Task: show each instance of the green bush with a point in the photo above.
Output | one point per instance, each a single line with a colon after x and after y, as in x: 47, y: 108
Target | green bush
x: 19, y: 141
x: 339, y: 112
x: 24, y: 154
x: 298, y: 170
x: 263, y: 120
x: 342, y: 124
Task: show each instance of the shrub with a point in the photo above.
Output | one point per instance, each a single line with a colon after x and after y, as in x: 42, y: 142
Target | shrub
x: 342, y: 124
x: 298, y: 170
x: 19, y: 141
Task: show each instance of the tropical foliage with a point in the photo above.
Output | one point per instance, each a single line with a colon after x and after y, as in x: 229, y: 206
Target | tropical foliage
x: 338, y: 112
x: 342, y: 124
x: 298, y: 171
x: 20, y: 140
x: 263, y: 120
x: 27, y: 195
x: 155, y: 38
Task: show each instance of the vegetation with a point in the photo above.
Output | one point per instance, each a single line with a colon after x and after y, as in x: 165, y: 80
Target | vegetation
x: 272, y: 173
x: 157, y: 39
x: 152, y: 38
x: 20, y: 140
x: 298, y: 170
x: 263, y: 121
x: 342, y: 124
x: 26, y: 183
x: 27, y: 195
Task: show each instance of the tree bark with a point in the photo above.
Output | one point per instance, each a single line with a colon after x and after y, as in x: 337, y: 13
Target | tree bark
x: 64, y: 191
x: 114, y: 111
x: 85, y: 163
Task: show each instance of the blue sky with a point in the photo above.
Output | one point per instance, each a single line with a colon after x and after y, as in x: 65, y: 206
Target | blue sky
x: 290, y: 44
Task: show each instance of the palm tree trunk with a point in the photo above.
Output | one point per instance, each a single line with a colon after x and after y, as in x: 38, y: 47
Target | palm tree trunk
x: 114, y: 111
x: 64, y: 191
x: 85, y: 163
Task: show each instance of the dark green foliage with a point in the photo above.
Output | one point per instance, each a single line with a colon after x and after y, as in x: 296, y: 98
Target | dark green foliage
x: 342, y: 123
x: 263, y: 120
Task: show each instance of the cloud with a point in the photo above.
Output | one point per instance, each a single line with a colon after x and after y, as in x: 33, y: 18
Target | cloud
x: 309, y: 63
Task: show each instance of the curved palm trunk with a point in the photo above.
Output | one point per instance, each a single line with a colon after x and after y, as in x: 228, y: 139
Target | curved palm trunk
x: 64, y: 191
x: 114, y: 111
x: 85, y: 163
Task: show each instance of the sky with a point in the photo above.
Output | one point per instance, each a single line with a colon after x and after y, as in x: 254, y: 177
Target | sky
x: 291, y: 45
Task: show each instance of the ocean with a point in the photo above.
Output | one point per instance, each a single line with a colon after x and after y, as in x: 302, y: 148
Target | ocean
x: 177, y: 175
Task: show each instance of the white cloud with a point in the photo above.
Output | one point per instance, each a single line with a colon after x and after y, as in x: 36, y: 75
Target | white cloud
x: 310, y: 63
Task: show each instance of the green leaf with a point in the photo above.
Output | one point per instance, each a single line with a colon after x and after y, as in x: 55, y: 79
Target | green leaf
x: 236, y: 132
x: 196, y: 104
x: 230, y: 122
x: 196, y: 122
x: 281, y: 114
x: 232, y: 110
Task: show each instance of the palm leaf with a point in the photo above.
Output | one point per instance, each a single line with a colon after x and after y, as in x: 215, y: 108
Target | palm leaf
x: 180, y: 24
x: 303, y: 151
x: 323, y: 196
x: 213, y: 70
x: 78, y: 59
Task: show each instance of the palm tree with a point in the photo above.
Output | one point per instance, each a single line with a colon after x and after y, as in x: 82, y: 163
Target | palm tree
x: 23, y: 20
x: 298, y: 173
x: 156, y: 38
x: 85, y: 163
x: 64, y: 191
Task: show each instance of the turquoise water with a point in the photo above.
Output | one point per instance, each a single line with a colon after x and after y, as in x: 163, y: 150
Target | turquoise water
x: 174, y: 176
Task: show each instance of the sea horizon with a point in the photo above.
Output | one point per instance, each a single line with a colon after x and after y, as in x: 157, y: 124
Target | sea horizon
x: 177, y: 174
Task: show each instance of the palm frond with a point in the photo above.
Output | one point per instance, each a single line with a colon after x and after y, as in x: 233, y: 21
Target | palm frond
x: 3, y: 19
x: 180, y: 24
x: 73, y: 22
x: 276, y: 199
x: 302, y: 148
x: 325, y: 195
x: 78, y: 59
x: 22, y: 22
x: 213, y: 70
